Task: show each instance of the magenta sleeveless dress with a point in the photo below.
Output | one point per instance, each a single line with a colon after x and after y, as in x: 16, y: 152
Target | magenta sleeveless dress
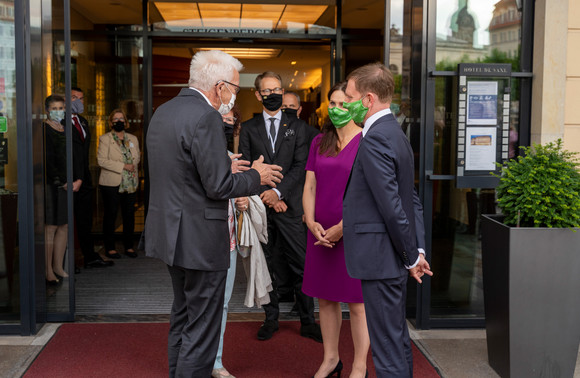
x: 325, y: 274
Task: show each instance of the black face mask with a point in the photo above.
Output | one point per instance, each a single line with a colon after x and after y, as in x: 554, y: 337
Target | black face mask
x: 272, y: 102
x: 119, y: 126
x: 291, y: 112
x: 228, y: 130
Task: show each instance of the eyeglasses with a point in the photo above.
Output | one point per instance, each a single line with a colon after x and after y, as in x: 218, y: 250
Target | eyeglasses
x: 237, y: 88
x: 267, y: 92
x: 230, y: 120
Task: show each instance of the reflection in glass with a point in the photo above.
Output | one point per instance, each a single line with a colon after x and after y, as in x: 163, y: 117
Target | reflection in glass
x: 485, y: 31
x: 456, y: 245
x: 9, y: 274
x: 242, y: 18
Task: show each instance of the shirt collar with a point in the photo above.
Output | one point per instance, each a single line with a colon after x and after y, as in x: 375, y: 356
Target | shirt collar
x: 372, y: 119
x: 204, y: 96
x: 267, y: 116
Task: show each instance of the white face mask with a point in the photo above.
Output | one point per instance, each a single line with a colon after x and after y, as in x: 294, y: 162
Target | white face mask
x: 56, y: 115
x: 226, y: 108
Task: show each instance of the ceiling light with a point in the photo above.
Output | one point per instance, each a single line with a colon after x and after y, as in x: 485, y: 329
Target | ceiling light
x: 247, y: 53
x: 293, y: 62
x: 290, y: 85
x: 295, y: 72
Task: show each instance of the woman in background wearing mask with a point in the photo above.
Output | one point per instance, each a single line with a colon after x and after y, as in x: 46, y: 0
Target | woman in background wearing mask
x: 118, y: 156
x: 56, y: 221
x: 329, y: 163
x: 231, y: 129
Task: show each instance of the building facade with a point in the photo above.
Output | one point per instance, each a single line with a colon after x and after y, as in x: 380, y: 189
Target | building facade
x: 134, y: 54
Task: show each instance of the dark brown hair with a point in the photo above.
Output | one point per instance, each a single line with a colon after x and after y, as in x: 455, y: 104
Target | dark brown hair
x: 329, y: 141
x: 238, y: 123
x: 51, y: 99
x: 374, y: 78
x: 263, y: 75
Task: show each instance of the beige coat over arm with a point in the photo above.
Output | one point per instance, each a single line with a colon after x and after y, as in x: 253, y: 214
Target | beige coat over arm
x: 110, y: 158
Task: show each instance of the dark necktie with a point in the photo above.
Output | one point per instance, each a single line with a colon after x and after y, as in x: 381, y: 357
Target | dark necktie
x: 273, y: 131
x: 79, y: 128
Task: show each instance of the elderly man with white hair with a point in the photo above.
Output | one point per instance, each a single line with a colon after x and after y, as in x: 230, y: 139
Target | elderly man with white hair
x: 191, y: 180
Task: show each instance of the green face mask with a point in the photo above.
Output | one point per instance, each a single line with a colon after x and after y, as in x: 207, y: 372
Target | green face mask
x: 357, y: 110
x: 339, y: 117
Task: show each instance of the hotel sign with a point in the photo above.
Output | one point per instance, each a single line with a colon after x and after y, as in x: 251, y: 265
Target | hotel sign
x: 483, y: 123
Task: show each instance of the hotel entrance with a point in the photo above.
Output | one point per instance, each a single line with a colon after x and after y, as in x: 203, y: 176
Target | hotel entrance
x: 134, y: 55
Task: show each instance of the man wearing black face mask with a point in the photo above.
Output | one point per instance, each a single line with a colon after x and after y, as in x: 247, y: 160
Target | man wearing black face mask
x: 83, y: 187
x: 291, y: 106
x: 282, y: 141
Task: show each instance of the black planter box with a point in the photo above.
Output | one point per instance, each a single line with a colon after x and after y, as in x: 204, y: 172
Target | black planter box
x: 531, y: 279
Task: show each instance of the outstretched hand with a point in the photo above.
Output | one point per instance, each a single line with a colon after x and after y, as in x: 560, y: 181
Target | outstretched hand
x: 420, y: 269
x: 239, y: 165
x: 270, y: 174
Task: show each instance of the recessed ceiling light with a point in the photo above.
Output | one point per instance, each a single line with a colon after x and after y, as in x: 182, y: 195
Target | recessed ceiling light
x: 293, y: 62
x: 290, y: 85
x: 295, y: 72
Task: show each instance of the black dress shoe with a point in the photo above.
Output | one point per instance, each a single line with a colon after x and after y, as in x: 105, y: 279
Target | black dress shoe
x: 98, y: 263
x: 115, y: 255
x: 267, y: 329
x: 52, y: 283
x: 131, y: 253
x: 312, y: 331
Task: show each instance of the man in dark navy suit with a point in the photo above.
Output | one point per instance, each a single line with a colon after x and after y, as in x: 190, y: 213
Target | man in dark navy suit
x: 83, y: 185
x: 282, y: 141
x: 379, y: 225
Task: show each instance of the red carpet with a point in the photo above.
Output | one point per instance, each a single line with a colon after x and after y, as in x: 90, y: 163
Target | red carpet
x: 140, y: 350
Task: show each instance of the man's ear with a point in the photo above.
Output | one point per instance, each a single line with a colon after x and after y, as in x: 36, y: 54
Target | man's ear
x: 298, y: 111
x: 258, y: 96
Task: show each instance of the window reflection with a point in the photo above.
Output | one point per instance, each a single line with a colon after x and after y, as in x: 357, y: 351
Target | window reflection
x: 485, y: 31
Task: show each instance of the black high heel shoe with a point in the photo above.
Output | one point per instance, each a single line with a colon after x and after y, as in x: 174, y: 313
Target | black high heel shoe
x: 337, y: 370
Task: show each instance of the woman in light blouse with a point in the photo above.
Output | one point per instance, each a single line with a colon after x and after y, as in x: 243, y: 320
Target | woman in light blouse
x: 118, y: 156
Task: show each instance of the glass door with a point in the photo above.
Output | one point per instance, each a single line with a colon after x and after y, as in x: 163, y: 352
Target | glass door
x: 462, y: 31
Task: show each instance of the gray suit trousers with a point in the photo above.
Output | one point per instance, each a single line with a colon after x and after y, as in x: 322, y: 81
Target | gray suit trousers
x: 195, y: 323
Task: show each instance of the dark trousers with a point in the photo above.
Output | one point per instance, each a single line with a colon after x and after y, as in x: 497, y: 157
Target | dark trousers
x: 385, y: 311
x: 111, y: 200
x: 195, y: 323
x: 287, y: 239
x: 83, y: 211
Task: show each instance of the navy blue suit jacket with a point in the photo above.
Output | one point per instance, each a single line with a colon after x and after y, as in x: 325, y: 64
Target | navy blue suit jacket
x: 380, y: 205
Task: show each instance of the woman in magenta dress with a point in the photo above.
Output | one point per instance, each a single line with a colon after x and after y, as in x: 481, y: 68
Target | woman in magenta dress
x: 329, y: 163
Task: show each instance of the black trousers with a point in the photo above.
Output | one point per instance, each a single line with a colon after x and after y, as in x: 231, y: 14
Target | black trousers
x: 111, y: 201
x: 195, y: 323
x: 287, y: 239
x: 83, y: 211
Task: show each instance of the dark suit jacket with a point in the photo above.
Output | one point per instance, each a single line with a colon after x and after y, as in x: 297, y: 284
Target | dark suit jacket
x: 81, y: 153
x: 291, y: 154
x: 379, y: 227
x: 190, y: 183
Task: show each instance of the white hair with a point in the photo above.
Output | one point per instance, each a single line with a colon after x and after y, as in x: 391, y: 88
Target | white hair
x: 210, y: 66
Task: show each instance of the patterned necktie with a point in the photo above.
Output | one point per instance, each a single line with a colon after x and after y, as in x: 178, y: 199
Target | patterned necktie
x: 273, y: 131
x: 79, y: 128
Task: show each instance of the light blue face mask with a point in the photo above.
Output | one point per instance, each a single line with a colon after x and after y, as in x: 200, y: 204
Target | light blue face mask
x: 56, y: 115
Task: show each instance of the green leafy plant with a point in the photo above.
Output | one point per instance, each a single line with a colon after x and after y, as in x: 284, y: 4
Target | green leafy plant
x: 541, y: 188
